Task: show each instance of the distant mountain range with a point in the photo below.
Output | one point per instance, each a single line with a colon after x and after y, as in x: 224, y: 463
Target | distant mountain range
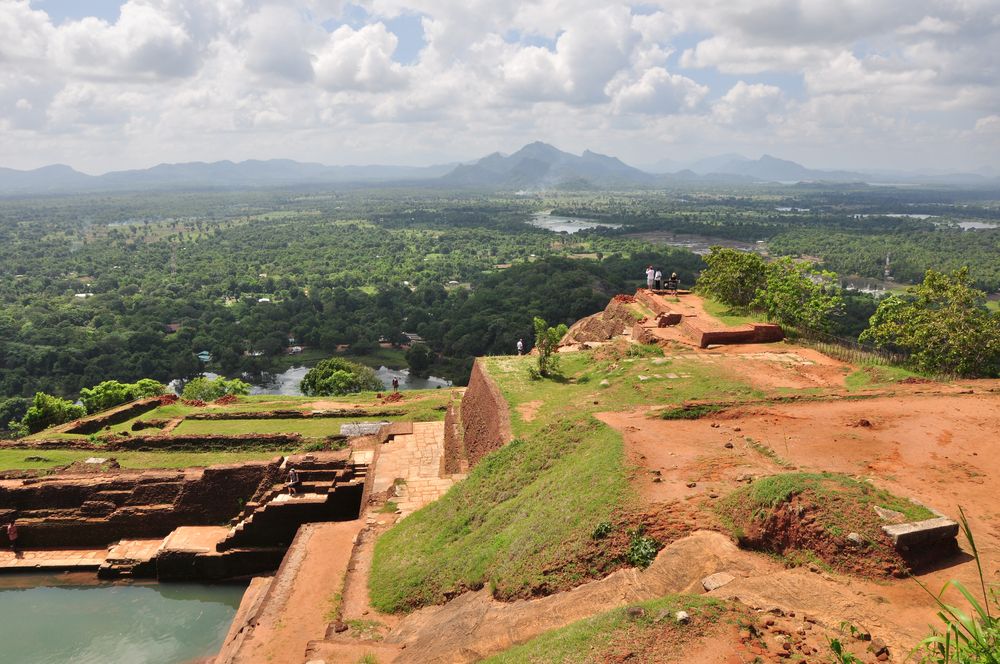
x: 536, y: 166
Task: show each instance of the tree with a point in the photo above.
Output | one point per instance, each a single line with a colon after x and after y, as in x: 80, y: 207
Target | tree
x: 943, y: 323
x: 733, y: 277
x: 47, y: 410
x: 205, y: 389
x: 419, y: 358
x: 335, y: 376
x: 111, y: 393
x: 546, y: 342
x: 796, y: 294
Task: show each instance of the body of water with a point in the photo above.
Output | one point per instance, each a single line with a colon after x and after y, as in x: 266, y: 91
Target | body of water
x: 44, y: 621
x: 699, y: 244
x: 557, y: 224
x: 287, y: 382
x: 976, y: 225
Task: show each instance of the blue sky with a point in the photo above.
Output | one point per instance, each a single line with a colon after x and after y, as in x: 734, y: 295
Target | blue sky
x: 908, y: 84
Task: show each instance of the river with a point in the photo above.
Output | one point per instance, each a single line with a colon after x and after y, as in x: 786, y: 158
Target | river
x: 53, y: 619
x: 557, y: 224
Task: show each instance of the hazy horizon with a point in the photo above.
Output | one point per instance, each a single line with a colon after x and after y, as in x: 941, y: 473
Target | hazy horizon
x: 108, y: 85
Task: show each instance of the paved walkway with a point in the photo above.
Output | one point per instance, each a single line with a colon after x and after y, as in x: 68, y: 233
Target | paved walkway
x: 52, y: 559
x: 416, y: 459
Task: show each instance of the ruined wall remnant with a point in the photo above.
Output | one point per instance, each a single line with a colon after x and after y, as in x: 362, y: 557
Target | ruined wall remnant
x: 96, y: 510
x: 485, y: 416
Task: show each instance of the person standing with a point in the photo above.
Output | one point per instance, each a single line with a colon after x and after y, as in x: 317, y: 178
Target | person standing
x: 520, y: 346
x: 657, y: 280
x: 12, y: 534
x: 650, y: 277
x: 395, y: 384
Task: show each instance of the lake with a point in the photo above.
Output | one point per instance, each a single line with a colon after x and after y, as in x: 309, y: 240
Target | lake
x: 53, y: 619
x: 699, y: 244
x: 557, y: 224
x: 287, y: 382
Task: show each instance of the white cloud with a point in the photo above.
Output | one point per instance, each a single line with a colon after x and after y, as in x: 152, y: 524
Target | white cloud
x: 748, y: 106
x: 359, y: 59
x: 204, y: 79
x: 657, y: 92
x: 989, y: 124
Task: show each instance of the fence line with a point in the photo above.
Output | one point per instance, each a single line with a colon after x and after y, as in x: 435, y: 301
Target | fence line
x: 850, y: 350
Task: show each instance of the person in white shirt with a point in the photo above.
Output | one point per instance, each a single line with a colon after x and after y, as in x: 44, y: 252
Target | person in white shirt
x: 657, y: 280
x: 650, y: 277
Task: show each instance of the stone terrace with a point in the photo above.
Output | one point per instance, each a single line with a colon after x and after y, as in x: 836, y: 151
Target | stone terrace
x: 414, y: 458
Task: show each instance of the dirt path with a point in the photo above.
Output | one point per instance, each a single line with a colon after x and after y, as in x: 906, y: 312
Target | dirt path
x: 302, y: 594
x: 936, y: 448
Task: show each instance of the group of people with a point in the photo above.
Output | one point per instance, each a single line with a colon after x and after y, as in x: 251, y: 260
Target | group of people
x: 654, y: 281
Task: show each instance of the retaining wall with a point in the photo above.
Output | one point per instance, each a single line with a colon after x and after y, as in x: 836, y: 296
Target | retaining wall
x: 485, y: 416
x: 86, y: 511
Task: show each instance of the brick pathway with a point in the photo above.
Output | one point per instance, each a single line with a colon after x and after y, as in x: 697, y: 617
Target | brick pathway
x: 52, y: 559
x: 415, y: 458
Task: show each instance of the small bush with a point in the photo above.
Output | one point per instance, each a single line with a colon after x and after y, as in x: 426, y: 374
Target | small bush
x: 602, y: 530
x: 642, y: 550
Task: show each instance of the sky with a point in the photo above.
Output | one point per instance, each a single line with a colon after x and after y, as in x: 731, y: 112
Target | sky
x: 876, y: 84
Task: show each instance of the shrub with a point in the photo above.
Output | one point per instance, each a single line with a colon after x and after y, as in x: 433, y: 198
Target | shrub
x: 205, y: 389
x: 335, y: 376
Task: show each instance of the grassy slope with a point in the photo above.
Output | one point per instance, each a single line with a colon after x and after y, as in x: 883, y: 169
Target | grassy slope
x: 598, y: 638
x: 522, y: 519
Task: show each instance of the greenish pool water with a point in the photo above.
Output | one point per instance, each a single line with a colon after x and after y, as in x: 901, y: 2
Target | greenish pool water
x: 45, y: 621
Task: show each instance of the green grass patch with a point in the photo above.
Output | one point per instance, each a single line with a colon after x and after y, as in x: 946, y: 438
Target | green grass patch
x: 877, y: 376
x: 518, y: 522
x: 691, y: 412
x: 727, y: 315
x: 839, y: 503
x: 771, y: 491
x: 580, y: 388
x: 312, y: 427
x: 599, y: 638
x: 14, y: 459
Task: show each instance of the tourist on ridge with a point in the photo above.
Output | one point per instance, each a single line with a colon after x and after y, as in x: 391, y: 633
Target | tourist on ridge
x: 395, y: 384
x: 520, y: 346
x: 673, y: 284
x: 12, y: 535
x: 657, y: 280
x: 650, y: 277
x: 293, y: 482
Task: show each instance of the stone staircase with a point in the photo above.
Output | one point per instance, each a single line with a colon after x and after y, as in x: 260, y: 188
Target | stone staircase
x: 331, y: 490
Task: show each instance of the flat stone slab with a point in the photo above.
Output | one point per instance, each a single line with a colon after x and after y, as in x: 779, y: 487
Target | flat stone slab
x: 361, y: 428
x: 134, y: 550
x: 916, y: 534
x: 717, y: 580
x: 52, y: 559
x: 194, y: 538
